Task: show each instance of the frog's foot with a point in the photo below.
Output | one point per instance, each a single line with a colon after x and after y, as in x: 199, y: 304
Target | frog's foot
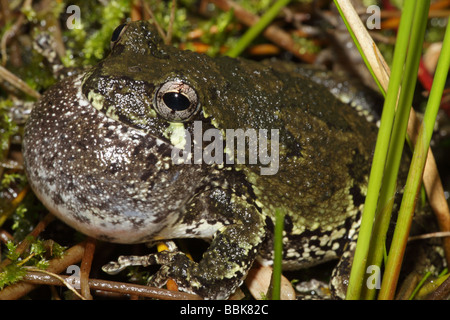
x: 175, y: 265
x: 162, y: 258
x: 221, y: 270
x: 313, y: 290
x: 170, y: 261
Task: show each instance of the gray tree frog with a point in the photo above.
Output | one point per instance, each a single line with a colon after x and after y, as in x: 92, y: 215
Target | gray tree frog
x: 99, y: 148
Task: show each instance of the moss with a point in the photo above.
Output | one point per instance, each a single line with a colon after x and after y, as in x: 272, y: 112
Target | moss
x: 38, y: 256
x: 7, y: 127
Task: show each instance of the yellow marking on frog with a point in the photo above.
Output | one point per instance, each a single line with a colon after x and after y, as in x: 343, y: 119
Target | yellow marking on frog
x: 175, y: 133
x: 97, y: 100
x: 161, y: 246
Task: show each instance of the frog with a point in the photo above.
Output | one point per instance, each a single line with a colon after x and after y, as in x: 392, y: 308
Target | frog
x: 99, y: 151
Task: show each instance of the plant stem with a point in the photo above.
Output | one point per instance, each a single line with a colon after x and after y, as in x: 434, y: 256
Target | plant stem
x: 257, y: 28
x: 381, y: 149
x: 388, y: 188
x: 414, y: 181
x: 278, y: 254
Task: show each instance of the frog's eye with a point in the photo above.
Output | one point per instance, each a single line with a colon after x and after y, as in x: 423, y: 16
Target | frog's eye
x: 117, y: 33
x: 176, y: 101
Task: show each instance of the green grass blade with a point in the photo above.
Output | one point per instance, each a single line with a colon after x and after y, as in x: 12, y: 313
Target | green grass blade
x: 257, y: 28
x: 414, y: 181
x: 358, y: 46
x: 419, y: 285
x: 389, y: 183
x: 278, y: 255
x: 381, y: 149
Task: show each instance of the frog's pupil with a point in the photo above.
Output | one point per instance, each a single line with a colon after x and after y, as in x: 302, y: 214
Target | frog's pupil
x: 116, y: 33
x: 176, y: 101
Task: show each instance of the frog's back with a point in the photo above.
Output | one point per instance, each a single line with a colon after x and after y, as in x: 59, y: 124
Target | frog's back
x: 325, y: 146
x: 325, y: 149
x: 325, y: 162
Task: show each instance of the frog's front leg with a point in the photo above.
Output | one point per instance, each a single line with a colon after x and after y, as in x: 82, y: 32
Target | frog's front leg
x: 223, y: 266
x: 220, y: 271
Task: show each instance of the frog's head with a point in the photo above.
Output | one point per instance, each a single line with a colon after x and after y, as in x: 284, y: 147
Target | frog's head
x: 158, y: 88
x: 145, y: 83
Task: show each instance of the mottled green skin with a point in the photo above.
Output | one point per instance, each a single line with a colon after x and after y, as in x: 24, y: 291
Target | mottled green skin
x: 325, y: 151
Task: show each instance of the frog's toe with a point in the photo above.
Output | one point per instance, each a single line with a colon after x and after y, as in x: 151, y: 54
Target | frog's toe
x: 113, y: 267
x: 178, y: 267
x: 174, y: 265
x: 161, y: 258
x: 160, y: 278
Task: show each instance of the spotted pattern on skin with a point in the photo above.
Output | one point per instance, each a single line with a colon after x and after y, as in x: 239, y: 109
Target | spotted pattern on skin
x: 98, y: 159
